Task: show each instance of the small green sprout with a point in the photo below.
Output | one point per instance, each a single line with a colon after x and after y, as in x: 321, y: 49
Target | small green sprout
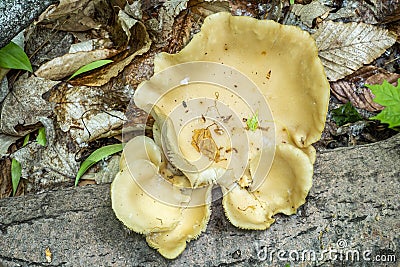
x: 16, y: 172
x: 345, y: 114
x: 41, y: 137
x: 90, y: 66
x: 12, y: 56
x: 95, y: 157
x: 26, y: 140
x: 252, y: 122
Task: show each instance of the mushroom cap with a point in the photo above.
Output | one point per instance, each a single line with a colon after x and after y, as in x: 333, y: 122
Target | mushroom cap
x: 136, y: 209
x: 282, y: 60
x: 194, y: 221
x: 138, y: 190
x: 283, y: 191
x: 139, y: 195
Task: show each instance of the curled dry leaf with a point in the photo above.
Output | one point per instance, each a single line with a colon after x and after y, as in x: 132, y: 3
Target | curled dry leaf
x: 76, y: 15
x: 308, y: 13
x: 352, y: 88
x: 22, y: 109
x: 204, y: 143
x: 63, y: 66
x: 162, y: 27
x: 345, y: 47
x: 138, y: 44
x: 371, y: 12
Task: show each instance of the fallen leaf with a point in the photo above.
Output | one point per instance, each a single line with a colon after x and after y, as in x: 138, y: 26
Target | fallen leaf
x: 139, y: 44
x: 187, y: 23
x: 203, y: 142
x: 76, y: 15
x: 308, y: 13
x: 15, y: 174
x: 89, y: 113
x: 64, y: 66
x: 5, y: 178
x: 22, y: 109
x: 345, y: 47
x: 50, y: 165
x: 352, y: 87
x: 162, y: 27
x: 41, y: 137
x: 105, y: 173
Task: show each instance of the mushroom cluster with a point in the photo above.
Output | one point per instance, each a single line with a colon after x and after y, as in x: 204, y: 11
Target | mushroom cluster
x: 259, y: 71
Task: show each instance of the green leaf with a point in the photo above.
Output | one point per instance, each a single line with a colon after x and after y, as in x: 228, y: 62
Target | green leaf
x: 390, y: 115
x: 26, y: 140
x: 95, y: 157
x: 291, y: 2
x: 13, y: 57
x: 16, y: 172
x: 345, y: 114
x: 91, y: 66
x: 388, y: 96
x: 252, y: 122
x: 41, y: 137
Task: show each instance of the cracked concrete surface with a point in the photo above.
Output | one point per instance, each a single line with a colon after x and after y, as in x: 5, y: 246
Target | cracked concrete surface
x: 353, y: 207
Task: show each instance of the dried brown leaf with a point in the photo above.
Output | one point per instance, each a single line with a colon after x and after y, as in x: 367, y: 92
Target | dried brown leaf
x: 89, y: 113
x: 371, y: 11
x: 64, y: 66
x: 345, y: 47
x: 308, y: 13
x: 139, y: 44
x: 50, y: 165
x: 24, y: 106
x: 201, y: 9
x: 352, y: 88
x: 76, y: 15
x: 186, y: 23
x: 5, y: 178
x: 204, y: 143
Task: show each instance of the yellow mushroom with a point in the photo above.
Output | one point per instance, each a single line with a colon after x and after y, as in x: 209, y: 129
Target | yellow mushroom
x: 194, y: 221
x: 283, y: 191
x: 282, y: 60
x: 165, y: 210
x: 264, y: 165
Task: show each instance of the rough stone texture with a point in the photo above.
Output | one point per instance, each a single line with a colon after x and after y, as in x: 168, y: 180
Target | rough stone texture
x: 353, y: 206
x: 16, y: 15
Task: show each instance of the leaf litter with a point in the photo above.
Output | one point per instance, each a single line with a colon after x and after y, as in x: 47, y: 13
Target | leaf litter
x: 90, y: 109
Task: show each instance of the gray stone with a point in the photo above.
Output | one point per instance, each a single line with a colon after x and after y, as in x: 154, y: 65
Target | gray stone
x: 353, y: 208
x: 16, y: 15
